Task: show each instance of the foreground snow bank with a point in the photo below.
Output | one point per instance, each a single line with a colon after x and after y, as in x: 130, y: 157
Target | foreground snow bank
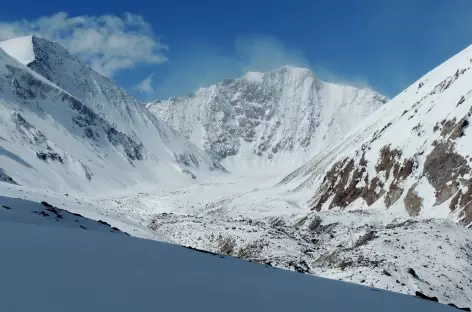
x: 46, y: 268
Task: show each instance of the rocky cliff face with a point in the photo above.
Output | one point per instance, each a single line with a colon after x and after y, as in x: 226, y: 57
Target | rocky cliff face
x: 412, y: 156
x: 274, y: 119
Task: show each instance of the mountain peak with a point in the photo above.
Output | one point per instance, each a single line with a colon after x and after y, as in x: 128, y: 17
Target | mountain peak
x: 20, y: 48
x: 286, y: 70
x: 28, y: 49
x: 292, y: 69
x: 60, y: 115
x: 254, y: 76
x: 261, y: 120
x: 25, y: 49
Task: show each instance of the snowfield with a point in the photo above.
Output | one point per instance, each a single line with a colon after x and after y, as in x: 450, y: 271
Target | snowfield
x: 77, y: 270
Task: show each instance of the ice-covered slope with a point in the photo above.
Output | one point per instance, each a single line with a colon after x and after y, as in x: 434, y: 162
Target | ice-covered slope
x: 413, y: 156
x: 64, y: 127
x: 50, y: 268
x: 268, y: 121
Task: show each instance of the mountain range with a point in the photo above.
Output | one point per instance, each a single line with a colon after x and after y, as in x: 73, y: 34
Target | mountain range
x: 279, y: 168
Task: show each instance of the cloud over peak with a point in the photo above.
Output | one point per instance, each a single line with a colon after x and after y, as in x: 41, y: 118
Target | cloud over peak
x: 145, y: 86
x: 108, y: 43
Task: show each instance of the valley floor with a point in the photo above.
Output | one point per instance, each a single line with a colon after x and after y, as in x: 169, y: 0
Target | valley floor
x: 249, y: 218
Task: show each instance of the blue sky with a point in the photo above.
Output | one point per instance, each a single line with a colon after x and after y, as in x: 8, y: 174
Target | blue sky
x: 179, y: 46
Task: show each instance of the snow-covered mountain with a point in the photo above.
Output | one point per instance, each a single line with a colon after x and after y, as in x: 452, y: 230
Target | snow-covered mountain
x: 65, y: 127
x: 71, y: 139
x: 412, y: 156
x: 273, y: 121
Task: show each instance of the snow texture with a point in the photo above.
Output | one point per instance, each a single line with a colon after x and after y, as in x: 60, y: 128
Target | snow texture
x: 73, y: 270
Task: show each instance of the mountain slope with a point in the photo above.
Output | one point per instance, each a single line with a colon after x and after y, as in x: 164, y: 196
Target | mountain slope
x: 16, y: 210
x: 69, y: 129
x: 412, y: 156
x: 272, y: 121
x: 62, y: 269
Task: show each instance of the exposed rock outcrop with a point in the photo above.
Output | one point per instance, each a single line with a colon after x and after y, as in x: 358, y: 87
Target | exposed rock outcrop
x: 413, y: 202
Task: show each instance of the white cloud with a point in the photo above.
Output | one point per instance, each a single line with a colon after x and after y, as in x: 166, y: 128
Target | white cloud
x: 145, y: 86
x: 202, y: 64
x: 263, y: 53
x: 108, y: 43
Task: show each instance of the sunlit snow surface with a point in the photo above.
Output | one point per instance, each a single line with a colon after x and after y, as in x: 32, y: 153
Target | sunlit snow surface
x: 48, y: 268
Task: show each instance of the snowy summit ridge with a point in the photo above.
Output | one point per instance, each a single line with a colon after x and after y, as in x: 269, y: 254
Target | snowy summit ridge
x: 272, y: 121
